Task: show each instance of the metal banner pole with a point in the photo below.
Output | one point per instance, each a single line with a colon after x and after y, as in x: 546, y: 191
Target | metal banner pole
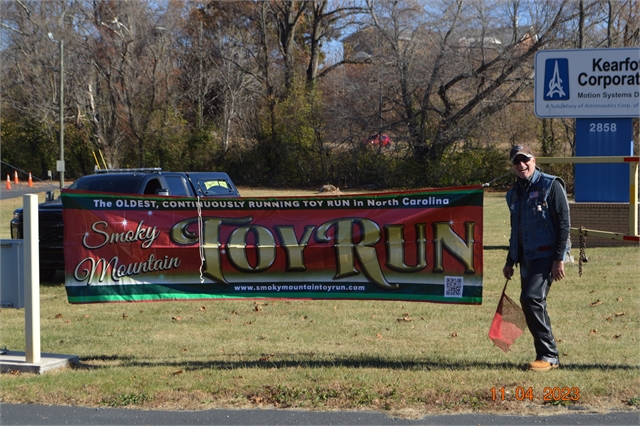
x: 633, y: 198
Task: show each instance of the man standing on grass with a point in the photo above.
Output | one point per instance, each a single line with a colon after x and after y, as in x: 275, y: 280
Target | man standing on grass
x: 538, y: 244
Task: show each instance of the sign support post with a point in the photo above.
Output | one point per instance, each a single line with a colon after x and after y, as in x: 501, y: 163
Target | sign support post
x: 633, y: 198
x: 32, y: 279
x: 32, y: 360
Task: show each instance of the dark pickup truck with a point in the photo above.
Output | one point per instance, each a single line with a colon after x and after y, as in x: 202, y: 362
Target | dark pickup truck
x: 125, y: 181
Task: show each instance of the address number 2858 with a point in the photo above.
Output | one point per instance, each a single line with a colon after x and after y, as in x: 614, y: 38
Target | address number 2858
x: 602, y: 127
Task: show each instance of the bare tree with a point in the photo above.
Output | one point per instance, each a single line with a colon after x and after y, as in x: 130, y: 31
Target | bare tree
x: 30, y: 58
x: 287, y: 16
x: 134, y: 69
x: 471, y: 69
x: 217, y: 65
x: 327, y: 24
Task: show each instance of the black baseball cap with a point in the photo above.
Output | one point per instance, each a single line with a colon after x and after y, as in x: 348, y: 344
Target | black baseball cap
x: 520, y: 150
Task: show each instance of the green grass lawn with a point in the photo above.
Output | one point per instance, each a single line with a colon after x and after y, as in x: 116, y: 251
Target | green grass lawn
x: 407, y: 359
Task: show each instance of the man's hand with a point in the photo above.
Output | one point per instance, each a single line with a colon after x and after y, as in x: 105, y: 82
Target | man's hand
x: 557, y: 270
x: 507, y: 271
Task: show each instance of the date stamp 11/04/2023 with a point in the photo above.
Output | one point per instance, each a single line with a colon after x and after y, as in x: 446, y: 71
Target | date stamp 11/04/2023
x: 551, y: 394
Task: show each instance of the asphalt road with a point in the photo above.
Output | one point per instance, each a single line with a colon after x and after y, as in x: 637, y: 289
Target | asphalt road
x: 22, y: 189
x: 28, y: 414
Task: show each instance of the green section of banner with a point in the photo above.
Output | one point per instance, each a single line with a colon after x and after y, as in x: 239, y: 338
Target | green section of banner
x: 450, y: 197
x: 354, y: 291
x: 302, y: 296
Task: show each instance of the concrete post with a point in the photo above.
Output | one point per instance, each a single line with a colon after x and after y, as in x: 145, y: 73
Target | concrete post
x: 31, y: 279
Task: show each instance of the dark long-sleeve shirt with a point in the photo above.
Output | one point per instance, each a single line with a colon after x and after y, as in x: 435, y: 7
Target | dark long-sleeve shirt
x: 559, y: 209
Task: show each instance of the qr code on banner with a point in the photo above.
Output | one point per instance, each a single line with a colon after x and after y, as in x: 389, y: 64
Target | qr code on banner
x: 453, y: 286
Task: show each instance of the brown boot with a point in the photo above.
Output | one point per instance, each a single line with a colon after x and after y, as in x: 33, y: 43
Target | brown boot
x: 541, y: 366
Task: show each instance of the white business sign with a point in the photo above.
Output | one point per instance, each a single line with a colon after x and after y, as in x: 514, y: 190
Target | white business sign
x: 587, y: 83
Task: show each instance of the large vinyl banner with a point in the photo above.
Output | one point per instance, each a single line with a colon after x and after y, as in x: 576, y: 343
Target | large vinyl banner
x: 415, y: 246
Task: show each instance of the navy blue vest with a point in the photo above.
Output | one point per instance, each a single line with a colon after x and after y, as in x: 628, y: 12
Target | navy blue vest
x: 538, y: 231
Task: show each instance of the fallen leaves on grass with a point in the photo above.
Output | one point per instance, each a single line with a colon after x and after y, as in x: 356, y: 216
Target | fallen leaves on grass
x: 617, y: 314
x: 256, y: 399
x: 593, y: 332
x: 596, y: 303
x: 176, y: 318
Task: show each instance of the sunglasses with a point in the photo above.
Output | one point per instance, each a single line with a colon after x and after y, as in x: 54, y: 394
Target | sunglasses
x: 520, y: 159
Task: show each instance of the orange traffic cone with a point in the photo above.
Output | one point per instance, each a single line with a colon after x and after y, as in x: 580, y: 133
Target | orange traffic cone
x: 15, y: 177
x: 30, y: 181
x: 8, y: 182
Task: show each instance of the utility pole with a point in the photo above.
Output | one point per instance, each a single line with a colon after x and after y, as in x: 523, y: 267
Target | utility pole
x: 60, y: 165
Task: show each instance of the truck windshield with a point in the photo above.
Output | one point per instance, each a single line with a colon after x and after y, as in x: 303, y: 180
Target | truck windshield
x: 214, y: 186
